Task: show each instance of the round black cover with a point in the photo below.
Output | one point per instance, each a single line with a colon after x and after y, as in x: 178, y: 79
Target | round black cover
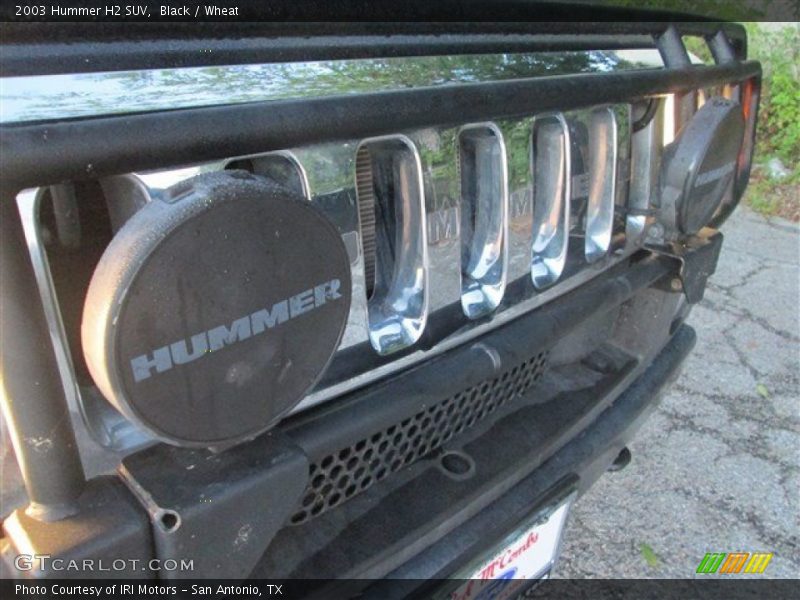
x: 700, y: 165
x: 213, y: 311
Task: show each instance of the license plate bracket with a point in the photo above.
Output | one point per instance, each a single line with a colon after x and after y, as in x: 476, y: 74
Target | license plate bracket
x: 524, y: 556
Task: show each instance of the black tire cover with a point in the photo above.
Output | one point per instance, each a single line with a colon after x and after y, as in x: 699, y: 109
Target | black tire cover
x: 215, y: 310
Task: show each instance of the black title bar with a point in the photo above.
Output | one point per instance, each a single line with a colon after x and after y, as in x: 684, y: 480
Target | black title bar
x: 175, y: 11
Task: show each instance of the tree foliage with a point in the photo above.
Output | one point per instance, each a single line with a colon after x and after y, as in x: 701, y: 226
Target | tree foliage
x: 779, y: 112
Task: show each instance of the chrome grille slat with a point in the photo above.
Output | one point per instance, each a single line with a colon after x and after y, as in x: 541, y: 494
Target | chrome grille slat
x: 602, y: 183
x: 439, y: 158
x: 646, y: 149
x: 484, y: 218
x: 551, y: 199
x: 397, y: 308
x: 517, y: 137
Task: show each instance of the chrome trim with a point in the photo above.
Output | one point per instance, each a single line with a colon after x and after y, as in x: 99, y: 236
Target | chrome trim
x: 330, y: 170
x: 28, y: 203
x: 465, y: 335
x: 49, y: 97
x: 160, y: 180
x: 484, y: 225
x: 397, y: 310
x: 646, y: 150
x: 518, y: 141
x: 670, y: 129
x: 130, y: 194
x: 301, y: 187
x: 551, y: 199
x: 438, y: 153
x: 65, y: 211
x: 602, y: 183
x: 103, y: 423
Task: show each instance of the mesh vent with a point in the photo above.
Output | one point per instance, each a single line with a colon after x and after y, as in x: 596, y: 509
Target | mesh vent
x: 340, y: 476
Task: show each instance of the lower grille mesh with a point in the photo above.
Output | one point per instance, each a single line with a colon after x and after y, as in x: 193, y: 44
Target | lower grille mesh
x: 343, y: 474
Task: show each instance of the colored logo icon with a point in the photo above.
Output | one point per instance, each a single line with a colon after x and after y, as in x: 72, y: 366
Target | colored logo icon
x: 734, y: 562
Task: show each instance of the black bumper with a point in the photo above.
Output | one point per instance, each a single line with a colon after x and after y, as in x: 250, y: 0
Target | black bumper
x: 359, y: 490
x: 577, y: 466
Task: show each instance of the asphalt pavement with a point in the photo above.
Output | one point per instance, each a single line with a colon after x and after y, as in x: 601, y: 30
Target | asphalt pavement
x: 717, y: 466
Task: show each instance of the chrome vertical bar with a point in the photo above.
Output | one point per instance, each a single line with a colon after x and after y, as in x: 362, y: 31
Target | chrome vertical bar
x: 484, y: 218
x: 518, y: 138
x: 551, y: 199
x: 602, y: 183
x: 646, y: 149
x: 31, y: 394
x: 438, y: 152
x: 281, y: 166
x: 397, y: 310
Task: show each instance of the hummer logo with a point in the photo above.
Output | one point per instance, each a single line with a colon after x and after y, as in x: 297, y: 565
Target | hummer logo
x: 178, y: 353
x: 442, y: 225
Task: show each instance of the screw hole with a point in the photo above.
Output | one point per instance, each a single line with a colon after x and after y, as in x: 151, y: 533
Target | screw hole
x: 169, y: 520
x: 623, y: 460
x: 457, y: 465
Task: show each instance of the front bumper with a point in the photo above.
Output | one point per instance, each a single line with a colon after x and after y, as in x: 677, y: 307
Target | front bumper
x: 577, y: 465
x: 493, y: 511
x: 361, y: 488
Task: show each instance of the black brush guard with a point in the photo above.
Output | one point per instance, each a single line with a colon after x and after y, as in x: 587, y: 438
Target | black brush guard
x: 566, y: 425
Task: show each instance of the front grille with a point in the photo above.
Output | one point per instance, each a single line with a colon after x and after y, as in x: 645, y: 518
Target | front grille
x: 463, y: 186
x: 342, y: 474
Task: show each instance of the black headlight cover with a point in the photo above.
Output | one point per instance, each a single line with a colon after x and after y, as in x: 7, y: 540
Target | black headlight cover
x: 215, y: 309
